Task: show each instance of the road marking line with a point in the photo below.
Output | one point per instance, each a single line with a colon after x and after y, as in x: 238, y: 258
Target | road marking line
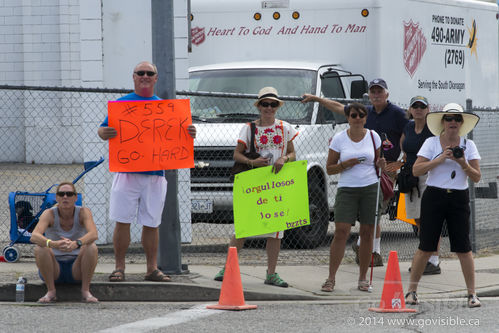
x: 171, y: 319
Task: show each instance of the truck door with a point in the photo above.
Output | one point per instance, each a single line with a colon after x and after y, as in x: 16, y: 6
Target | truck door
x: 331, y: 86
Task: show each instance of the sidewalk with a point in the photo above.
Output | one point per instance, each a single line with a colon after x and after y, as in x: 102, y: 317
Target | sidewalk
x: 304, y: 281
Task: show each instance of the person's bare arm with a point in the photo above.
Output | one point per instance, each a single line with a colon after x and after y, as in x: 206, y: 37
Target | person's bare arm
x: 289, y: 156
x: 334, y: 106
x: 88, y: 223
x: 239, y: 157
x: 45, y: 221
x: 106, y: 133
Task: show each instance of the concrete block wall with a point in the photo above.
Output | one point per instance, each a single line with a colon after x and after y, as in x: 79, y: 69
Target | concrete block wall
x: 76, y: 43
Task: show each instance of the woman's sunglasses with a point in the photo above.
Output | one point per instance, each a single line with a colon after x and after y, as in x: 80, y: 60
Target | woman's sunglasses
x: 63, y: 193
x: 266, y: 104
x: 419, y: 106
x: 142, y: 73
x: 457, y: 118
x: 354, y: 115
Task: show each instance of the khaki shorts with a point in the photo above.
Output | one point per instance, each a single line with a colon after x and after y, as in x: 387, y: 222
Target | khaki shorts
x: 356, y: 202
x: 413, y: 208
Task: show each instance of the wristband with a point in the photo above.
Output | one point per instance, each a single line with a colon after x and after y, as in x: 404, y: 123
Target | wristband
x: 48, y: 242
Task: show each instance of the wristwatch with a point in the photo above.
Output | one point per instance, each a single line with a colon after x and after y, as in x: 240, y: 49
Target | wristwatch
x: 79, y: 243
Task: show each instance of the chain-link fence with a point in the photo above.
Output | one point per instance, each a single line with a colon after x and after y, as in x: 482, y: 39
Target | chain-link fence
x: 47, y: 133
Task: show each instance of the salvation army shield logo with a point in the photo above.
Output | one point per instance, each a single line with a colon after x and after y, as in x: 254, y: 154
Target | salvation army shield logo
x: 414, y: 46
x: 396, y: 303
x: 197, y: 35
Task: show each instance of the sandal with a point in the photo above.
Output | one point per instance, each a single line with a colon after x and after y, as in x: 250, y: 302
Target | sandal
x: 47, y: 299
x: 411, y: 298
x: 473, y: 301
x: 118, y: 275
x: 328, y: 286
x: 363, y: 285
x: 157, y: 276
x: 90, y: 299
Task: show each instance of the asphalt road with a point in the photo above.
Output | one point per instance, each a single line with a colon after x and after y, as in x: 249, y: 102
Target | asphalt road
x: 432, y: 316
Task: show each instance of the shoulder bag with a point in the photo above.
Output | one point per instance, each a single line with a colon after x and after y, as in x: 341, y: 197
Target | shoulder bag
x: 252, y: 154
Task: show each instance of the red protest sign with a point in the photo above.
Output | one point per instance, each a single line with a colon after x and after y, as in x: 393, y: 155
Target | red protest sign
x: 152, y: 135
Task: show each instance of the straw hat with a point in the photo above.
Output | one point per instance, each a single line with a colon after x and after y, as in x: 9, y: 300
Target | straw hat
x: 268, y: 93
x: 434, y: 119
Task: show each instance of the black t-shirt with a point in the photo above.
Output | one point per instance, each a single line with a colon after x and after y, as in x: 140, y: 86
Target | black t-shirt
x: 413, y: 142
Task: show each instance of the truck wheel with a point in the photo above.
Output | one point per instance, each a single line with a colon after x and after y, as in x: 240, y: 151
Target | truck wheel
x: 313, y: 235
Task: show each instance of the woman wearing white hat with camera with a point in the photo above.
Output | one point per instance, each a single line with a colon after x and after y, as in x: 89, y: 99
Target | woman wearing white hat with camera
x: 449, y: 159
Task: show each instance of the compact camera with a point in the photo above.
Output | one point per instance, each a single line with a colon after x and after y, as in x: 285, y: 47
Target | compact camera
x: 268, y: 156
x: 457, y: 152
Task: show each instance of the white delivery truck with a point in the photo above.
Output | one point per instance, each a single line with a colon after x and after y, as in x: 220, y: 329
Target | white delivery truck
x: 446, y: 50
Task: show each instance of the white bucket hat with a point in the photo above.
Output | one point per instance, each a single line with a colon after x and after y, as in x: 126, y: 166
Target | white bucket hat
x: 268, y: 93
x: 434, y: 119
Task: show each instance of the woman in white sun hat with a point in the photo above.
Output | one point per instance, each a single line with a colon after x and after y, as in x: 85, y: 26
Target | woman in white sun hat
x: 449, y: 159
x: 273, y: 140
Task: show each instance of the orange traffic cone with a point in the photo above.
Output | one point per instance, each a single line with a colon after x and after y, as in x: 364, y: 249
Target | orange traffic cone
x: 231, y: 294
x: 392, y: 298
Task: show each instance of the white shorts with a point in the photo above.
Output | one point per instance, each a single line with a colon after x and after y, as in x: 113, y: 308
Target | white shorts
x: 132, y: 193
x: 413, y: 208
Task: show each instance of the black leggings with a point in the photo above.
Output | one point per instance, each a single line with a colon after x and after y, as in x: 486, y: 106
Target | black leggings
x: 439, y: 205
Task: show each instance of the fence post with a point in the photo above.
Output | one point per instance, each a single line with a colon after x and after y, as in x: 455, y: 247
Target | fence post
x: 163, y: 52
x: 471, y: 186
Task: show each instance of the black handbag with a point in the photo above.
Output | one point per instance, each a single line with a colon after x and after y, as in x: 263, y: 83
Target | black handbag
x: 406, y: 181
x: 252, y: 154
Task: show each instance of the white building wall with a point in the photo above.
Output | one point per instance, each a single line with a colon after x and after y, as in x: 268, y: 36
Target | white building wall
x: 77, y: 43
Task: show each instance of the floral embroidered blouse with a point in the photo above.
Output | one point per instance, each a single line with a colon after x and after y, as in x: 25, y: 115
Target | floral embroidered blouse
x: 269, y: 139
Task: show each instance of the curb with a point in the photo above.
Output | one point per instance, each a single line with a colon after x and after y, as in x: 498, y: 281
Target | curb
x: 141, y: 292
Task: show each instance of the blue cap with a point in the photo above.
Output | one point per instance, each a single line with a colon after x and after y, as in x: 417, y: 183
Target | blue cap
x: 378, y: 82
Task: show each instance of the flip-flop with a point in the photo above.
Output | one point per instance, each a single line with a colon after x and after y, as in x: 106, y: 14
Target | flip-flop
x: 157, y: 276
x: 118, y: 275
x: 90, y: 299
x: 47, y: 300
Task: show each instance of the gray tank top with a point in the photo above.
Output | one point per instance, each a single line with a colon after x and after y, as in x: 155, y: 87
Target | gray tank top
x: 55, y: 232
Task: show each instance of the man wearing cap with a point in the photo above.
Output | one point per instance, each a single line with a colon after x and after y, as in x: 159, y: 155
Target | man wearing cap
x: 382, y: 117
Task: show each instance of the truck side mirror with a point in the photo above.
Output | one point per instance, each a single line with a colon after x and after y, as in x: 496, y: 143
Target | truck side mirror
x: 358, y: 88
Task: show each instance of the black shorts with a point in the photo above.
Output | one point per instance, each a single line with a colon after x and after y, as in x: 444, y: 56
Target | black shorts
x: 439, y: 205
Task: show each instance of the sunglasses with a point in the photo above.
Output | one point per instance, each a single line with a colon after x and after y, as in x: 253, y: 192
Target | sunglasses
x: 142, y: 73
x: 354, y: 115
x: 419, y: 106
x: 266, y: 104
x: 457, y: 118
x: 63, y: 193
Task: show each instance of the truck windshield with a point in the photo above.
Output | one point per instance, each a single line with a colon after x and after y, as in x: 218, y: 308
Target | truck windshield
x: 288, y: 82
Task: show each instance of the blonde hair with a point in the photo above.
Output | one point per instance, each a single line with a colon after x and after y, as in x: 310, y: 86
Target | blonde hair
x: 66, y: 183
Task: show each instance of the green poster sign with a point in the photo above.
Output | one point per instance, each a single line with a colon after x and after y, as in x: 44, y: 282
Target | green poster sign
x: 266, y: 202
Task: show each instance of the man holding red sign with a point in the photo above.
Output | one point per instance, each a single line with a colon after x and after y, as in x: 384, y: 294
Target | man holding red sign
x: 138, y: 195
